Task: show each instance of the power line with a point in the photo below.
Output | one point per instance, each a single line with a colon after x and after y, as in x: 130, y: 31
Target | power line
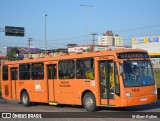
x: 139, y: 28
x: 76, y: 39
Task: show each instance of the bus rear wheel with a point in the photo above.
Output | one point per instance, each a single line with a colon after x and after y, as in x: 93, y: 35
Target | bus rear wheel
x: 25, y: 99
x: 89, y: 102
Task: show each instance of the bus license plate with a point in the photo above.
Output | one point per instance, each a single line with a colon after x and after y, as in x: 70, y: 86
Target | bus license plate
x: 143, y: 99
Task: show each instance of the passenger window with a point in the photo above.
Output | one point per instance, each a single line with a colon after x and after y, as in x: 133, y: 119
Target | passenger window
x: 66, y: 69
x: 14, y: 74
x: 24, y: 71
x: 85, y: 68
x: 37, y: 71
x: 5, y: 73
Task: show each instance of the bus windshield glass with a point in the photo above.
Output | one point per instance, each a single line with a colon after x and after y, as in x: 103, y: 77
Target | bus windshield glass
x: 138, y: 73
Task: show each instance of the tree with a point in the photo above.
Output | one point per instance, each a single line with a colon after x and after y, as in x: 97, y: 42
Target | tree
x: 12, y: 54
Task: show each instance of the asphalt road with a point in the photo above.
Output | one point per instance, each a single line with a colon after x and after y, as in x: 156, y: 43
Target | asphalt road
x: 78, y: 112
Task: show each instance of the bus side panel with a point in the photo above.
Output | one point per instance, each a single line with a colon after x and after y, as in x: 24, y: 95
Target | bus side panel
x: 81, y: 86
x: 78, y: 90
x: 51, y: 90
x: 56, y: 91
x: 6, y: 86
x: 64, y: 91
x: 13, y: 89
x: 35, y: 88
x: 6, y: 89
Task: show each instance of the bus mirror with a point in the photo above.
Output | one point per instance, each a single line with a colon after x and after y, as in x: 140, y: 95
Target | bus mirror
x: 121, y: 68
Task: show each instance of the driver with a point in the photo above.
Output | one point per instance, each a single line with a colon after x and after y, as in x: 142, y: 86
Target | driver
x: 127, y: 68
x: 134, y: 70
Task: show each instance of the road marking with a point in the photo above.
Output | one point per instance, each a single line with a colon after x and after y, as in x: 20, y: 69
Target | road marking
x: 30, y: 110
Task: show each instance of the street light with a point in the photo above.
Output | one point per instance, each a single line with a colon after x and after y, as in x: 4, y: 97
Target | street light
x: 45, y: 15
x: 93, y: 34
x: 86, y: 6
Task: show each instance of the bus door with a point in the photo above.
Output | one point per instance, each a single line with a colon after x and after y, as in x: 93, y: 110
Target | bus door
x: 6, y: 83
x: 108, y: 80
x: 14, y: 77
x: 66, y: 79
x: 52, y: 75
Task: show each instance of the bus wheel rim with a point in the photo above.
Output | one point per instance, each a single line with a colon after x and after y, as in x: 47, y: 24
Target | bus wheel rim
x: 89, y: 102
x: 25, y: 99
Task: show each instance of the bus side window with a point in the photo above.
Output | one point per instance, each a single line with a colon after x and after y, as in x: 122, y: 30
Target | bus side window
x: 5, y: 73
x: 37, y: 71
x: 85, y: 68
x: 24, y: 71
x: 66, y: 69
x: 14, y: 74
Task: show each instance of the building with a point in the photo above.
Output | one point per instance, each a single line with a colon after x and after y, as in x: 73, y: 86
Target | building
x: 151, y: 44
x: 50, y: 53
x: 3, y: 52
x: 21, y: 51
x: 79, y: 48
x: 88, y: 48
x: 110, y: 39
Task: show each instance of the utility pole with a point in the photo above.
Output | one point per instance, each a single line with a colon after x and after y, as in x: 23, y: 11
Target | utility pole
x: 86, y: 21
x: 45, y: 15
x: 29, y: 44
x: 93, y: 34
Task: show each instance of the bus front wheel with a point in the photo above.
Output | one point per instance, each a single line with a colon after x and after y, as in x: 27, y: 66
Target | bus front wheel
x: 25, y: 99
x: 89, y: 102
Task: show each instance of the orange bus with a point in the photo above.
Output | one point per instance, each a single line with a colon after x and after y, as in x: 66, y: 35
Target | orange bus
x: 118, y: 78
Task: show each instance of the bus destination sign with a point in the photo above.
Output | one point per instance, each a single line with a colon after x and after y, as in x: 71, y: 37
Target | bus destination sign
x: 132, y: 55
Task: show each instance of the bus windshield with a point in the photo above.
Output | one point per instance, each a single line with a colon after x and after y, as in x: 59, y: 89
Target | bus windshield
x: 138, y: 73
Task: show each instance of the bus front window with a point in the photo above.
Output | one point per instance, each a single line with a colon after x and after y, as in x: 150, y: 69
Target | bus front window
x: 138, y: 73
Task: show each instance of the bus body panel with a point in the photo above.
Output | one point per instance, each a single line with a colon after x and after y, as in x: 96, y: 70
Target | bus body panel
x: 14, y: 90
x: 141, y: 95
x: 65, y: 91
x: 141, y: 91
x: 51, y: 89
x: 6, y: 90
x: 136, y: 101
x: 35, y: 89
x: 71, y: 91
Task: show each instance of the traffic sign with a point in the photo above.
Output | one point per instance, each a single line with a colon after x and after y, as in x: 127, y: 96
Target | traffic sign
x: 14, y: 31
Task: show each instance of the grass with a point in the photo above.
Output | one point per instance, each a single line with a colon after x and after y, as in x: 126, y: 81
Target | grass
x: 157, y: 76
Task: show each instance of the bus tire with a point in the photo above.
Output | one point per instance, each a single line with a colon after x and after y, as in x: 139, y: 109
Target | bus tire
x: 25, y: 99
x: 89, y: 102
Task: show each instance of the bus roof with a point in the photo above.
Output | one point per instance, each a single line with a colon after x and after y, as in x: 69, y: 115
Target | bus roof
x: 74, y: 56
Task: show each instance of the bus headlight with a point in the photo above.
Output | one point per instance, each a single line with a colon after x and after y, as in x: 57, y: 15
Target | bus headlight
x: 128, y: 94
x: 154, y: 92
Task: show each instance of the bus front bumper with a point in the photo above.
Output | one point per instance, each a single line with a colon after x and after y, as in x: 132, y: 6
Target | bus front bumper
x: 135, y: 101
